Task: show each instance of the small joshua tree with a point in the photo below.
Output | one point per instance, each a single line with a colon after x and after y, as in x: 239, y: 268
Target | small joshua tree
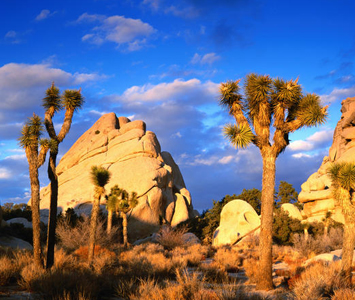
x: 70, y: 100
x: 343, y: 184
x: 99, y: 177
x: 122, y: 202
x: 30, y: 141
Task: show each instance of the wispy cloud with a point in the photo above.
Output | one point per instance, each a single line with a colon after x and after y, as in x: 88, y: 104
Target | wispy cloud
x: 44, y: 14
x: 338, y: 94
x: 208, y: 58
x: 131, y: 33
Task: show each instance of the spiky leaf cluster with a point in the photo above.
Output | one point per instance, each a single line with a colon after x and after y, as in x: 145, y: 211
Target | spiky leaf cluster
x: 121, y: 200
x: 239, y: 135
x: 52, y: 100
x: 31, y: 132
x: 100, y: 176
x: 342, y: 175
x: 72, y: 99
x: 310, y: 111
x: 229, y: 93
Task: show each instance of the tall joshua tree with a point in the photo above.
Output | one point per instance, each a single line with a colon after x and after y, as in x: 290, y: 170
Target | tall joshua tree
x: 121, y: 201
x: 99, y: 177
x: 268, y: 103
x: 30, y: 141
x: 70, y: 100
x: 343, y: 185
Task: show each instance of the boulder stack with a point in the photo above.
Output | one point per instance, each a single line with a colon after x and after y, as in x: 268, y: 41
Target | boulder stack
x: 133, y: 156
x: 316, y: 192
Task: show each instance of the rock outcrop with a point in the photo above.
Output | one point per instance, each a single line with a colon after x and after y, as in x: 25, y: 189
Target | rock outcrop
x: 238, y: 218
x: 134, y: 158
x: 316, y: 193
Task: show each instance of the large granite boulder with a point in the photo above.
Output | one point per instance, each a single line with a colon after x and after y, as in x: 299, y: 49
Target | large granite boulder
x: 134, y: 158
x: 238, y: 219
x: 316, y: 192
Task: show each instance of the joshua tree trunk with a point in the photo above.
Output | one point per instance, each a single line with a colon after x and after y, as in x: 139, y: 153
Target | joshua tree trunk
x: 109, y: 220
x: 35, y: 199
x: 93, y: 224
x: 267, y: 203
x: 52, y: 219
x: 124, y: 225
x: 348, y: 247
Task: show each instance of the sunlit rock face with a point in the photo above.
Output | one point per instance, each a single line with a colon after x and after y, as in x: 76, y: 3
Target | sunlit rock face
x: 238, y: 219
x: 134, y: 158
x: 316, y: 193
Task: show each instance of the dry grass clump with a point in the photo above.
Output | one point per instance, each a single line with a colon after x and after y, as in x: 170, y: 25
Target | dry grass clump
x: 344, y: 294
x: 229, y: 258
x: 214, y: 273
x: 11, y: 265
x: 318, y: 244
x: 73, y: 238
x: 190, y: 256
x: 170, y: 237
x: 251, y: 267
x: 319, y: 281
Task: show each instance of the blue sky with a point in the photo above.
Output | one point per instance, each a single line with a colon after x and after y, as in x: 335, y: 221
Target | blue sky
x: 162, y: 62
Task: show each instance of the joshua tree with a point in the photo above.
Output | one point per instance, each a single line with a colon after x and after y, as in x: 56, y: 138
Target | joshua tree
x: 121, y: 201
x: 70, y: 100
x: 268, y: 103
x: 30, y: 141
x: 343, y: 185
x: 99, y: 177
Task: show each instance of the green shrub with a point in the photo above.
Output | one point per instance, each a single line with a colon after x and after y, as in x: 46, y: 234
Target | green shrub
x: 284, y: 227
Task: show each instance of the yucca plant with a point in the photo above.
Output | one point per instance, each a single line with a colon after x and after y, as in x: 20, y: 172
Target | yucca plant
x: 268, y: 106
x: 342, y: 175
x: 120, y: 201
x: 53, y: 102
x: 99, y: 177
x: 30, y: 141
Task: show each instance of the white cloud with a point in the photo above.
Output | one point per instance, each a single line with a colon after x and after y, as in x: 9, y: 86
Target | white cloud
x: 44, y: 14
x: 315, y: 140
x: 301, y: 155
x: 4, y: 173
x: 176, y: 90
x: 208, y: 58
x: 131, y: 33
x: 300, y: 146
x: 338, y: 94
x: 226, y: 159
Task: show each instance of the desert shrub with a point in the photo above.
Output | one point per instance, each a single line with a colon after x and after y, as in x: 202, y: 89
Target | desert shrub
x: 319, y: 281
x: 214, y: 273
x: 70, y: 217
x: 284, y: 227
x: 7, y: 271
x: 319, y: 243
x: 170, y: 238
x: 73, y: 238
x: 189, y: 256
x: 251, y: 268
x: 17, y: 230
x: 11, y: 210
x: 344, y: 294
x: 229, y: 258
